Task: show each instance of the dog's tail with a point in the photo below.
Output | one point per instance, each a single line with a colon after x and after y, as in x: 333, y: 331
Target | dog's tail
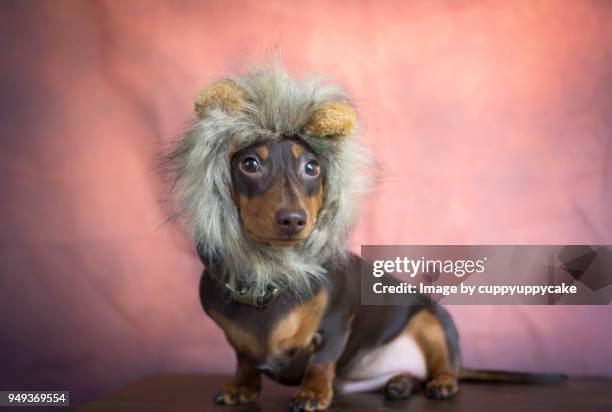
x: 482, y: 375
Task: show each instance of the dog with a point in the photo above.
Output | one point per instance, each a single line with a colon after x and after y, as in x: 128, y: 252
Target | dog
x: 268, y: 176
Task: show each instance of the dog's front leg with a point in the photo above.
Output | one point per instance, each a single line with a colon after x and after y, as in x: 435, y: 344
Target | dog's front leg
x: 316, y: 391
x: 245, y: 386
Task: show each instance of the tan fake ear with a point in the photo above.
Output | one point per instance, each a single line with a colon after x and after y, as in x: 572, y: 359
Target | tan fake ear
x: 225, y: 95
x: 333, y: 119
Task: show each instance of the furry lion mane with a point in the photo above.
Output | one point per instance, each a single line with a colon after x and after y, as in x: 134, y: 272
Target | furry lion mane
x: 266, y: 104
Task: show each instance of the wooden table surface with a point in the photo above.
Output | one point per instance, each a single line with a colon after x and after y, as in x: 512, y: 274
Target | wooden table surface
x: 191, y: 392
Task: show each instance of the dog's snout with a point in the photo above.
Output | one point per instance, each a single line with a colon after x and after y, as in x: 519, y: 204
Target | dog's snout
x: 291, y: 221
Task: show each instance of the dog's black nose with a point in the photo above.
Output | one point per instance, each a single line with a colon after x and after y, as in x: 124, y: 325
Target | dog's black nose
x: 291, y: 221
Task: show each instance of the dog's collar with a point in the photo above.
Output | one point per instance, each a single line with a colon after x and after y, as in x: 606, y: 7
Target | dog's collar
x: 240, y: 294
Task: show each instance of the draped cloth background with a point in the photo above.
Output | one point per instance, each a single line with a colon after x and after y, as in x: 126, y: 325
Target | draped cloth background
x: 492, y: 121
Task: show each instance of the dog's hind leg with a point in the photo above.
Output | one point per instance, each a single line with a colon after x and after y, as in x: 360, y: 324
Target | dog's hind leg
x: 401, y: 386
x: 436, y: 336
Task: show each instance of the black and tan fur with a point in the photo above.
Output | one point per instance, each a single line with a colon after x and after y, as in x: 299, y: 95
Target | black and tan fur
x: 266, y: 176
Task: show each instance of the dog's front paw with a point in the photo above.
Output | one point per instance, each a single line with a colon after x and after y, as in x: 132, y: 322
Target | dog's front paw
x: 441, y: 387
x: 310, y: 399
x: 233, y: 394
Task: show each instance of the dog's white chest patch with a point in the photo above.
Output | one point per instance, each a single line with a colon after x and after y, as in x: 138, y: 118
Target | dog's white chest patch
x: 371, y: 371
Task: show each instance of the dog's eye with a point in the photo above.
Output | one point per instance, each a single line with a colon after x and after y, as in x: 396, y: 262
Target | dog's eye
x: 311, y: 168
x: 249, y: 165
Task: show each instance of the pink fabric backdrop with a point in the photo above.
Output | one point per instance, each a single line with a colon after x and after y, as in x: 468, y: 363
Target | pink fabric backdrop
x: 492, y: 121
